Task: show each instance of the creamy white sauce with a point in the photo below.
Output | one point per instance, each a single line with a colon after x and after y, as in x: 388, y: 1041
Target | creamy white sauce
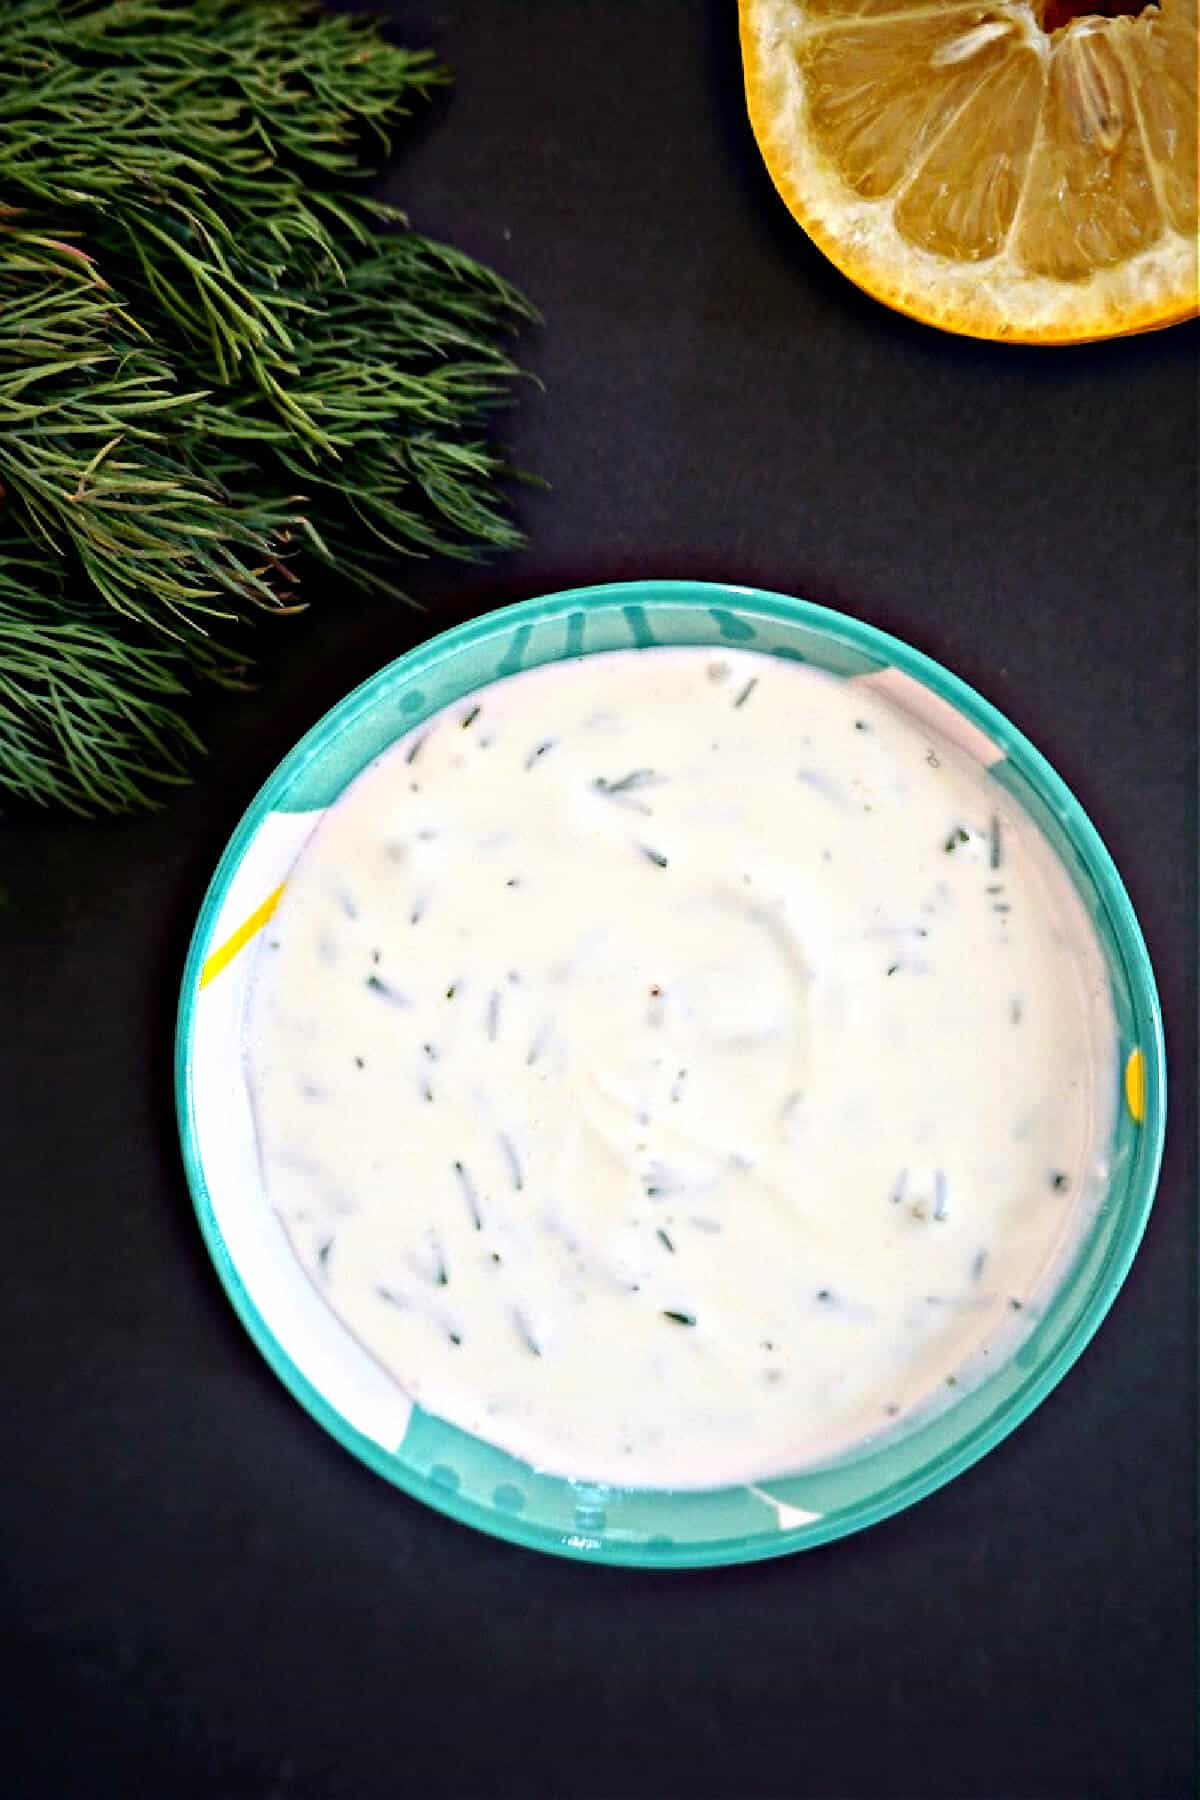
x: 677, y: 1066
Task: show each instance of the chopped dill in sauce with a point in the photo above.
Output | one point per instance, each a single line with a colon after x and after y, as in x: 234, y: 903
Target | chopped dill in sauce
x: 585, y: 1104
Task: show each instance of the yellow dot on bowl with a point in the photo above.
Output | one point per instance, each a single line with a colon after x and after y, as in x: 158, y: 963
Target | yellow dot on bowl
x: 1135, y: 1084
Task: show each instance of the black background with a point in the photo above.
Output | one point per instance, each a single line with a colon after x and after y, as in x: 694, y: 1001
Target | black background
x: 203, y: 1594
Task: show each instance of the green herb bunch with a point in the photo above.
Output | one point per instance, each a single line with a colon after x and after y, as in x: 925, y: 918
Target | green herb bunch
x: 220, y: 361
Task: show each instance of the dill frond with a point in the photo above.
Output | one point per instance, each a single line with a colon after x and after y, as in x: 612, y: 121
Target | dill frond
x: 220, y: 361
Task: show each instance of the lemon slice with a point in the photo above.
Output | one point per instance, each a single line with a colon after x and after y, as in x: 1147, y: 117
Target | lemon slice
x: 982, y: 167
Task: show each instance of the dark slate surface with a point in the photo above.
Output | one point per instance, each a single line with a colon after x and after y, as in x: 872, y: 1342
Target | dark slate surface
x: 203, y: 1595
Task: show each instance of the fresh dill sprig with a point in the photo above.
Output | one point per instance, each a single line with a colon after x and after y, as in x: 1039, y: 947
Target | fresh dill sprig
x: 220, y: 359
x: 93, y: 459
x: 89, y: 714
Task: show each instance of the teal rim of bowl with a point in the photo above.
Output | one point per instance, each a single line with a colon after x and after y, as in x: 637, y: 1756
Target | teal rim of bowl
x: 865, y: 647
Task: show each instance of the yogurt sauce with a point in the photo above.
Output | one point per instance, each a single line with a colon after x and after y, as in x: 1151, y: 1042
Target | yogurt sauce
x: 677, y: 1066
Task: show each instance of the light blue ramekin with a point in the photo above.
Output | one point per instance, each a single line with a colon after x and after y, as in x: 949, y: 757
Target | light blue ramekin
x: 336, y: 1379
